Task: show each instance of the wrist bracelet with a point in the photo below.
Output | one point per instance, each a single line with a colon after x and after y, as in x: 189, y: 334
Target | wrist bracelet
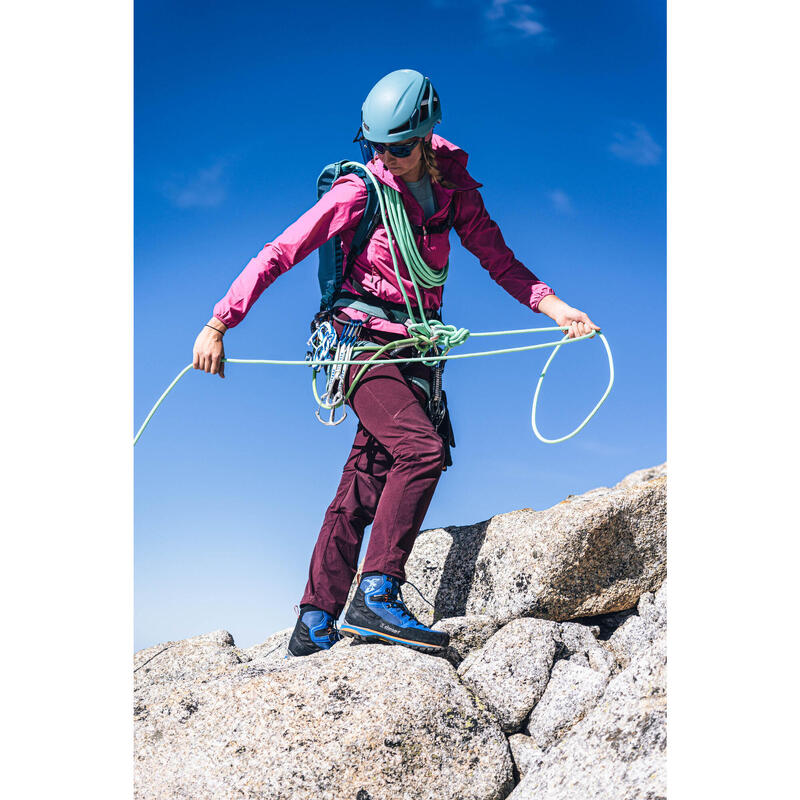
x: 221, y: 333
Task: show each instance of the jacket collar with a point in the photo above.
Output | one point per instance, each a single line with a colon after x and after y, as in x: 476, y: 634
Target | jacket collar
x: 452, y: 161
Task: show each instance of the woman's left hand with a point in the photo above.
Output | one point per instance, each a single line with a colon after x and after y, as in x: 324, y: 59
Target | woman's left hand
x: 565, y: 315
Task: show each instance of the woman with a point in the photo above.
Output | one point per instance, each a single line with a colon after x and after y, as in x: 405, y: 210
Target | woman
x: 398, y: 455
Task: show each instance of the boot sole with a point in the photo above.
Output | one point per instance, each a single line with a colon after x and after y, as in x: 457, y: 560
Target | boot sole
x: 368, y: 635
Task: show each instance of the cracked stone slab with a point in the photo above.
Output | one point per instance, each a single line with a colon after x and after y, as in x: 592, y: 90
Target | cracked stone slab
x: 591, y: 554
x: 572, y: 691
x: 510, y: 672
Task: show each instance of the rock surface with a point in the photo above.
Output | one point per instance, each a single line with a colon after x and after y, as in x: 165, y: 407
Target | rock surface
x: 562, y: 709
x: 365, y: 721
x: 617, y: 750
x: 510, y: 672
x: 590, y: 554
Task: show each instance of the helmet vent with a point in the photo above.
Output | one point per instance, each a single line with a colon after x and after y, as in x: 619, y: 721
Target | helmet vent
x: 424, y: 111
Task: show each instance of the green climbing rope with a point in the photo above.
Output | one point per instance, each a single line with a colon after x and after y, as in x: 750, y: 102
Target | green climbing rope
x: 424, y: 334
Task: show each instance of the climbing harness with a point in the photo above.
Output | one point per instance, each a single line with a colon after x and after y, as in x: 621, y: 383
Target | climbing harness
x: 430, y: 337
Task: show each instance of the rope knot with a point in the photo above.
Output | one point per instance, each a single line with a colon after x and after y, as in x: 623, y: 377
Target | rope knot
x: 432, y: 333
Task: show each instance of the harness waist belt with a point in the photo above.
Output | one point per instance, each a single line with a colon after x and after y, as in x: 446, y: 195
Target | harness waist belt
x: 383, y: 311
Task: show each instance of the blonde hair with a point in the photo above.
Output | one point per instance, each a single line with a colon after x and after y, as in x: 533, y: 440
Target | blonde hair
x: 429, y: 160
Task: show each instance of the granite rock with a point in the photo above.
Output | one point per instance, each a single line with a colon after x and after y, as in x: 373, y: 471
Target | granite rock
x: 179, y: 661
x: 571, y: 692
x: 272, y: 651
x: 510, y: 672
x: 466, y: 634
x: 356, y: 722
x: 525, y: 753
x: 636, y: 635
x: 590, y: 554
x: 618, y: 749
x: 372, y: 722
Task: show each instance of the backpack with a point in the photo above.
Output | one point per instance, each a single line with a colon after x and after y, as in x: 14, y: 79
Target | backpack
x: 332, y: 266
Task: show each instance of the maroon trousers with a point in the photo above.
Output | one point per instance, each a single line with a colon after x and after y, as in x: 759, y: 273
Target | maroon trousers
x: 388, y: 480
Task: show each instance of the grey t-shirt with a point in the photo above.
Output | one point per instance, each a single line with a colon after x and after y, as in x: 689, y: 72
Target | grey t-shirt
x: 423, y: 193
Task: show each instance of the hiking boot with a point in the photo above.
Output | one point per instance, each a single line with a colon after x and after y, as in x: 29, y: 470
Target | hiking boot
x: 315, y: 630
x: 377, y: 613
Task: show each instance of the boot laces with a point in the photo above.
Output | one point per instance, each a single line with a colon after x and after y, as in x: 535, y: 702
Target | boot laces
x: 394, y: 599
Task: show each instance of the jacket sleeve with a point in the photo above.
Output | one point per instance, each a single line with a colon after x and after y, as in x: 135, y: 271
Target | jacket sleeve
x: 481, y: 236
x: 338, y: 209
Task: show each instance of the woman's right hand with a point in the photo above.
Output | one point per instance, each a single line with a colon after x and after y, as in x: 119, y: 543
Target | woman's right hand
x: 208, y: 348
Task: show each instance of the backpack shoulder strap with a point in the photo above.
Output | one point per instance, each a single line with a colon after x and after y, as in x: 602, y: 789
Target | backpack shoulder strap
x: 370, y: 220
x: 332, y: 265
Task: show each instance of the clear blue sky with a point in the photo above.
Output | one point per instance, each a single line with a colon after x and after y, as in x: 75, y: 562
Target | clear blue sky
x: 561, y: 106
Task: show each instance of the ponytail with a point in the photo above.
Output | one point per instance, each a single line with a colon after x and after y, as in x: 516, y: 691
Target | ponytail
x: 429, y: 160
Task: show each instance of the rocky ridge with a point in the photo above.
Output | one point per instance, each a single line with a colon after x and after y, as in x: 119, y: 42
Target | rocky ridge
x: 553, y: 690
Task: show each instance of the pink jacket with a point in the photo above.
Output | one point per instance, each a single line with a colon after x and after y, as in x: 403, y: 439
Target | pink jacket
x: 339, y: 211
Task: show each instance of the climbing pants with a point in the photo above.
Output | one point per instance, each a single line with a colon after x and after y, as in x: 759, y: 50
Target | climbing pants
x: 388, y: 480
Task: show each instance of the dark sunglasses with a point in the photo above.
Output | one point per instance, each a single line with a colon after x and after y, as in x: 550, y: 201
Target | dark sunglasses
x: 397, y: 150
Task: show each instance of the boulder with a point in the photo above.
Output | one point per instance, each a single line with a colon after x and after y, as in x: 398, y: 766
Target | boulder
x: 590, y: 554
x: 466, y: 634
x: 636, y: 636
x: 273, y: 650
x: 186, y: 659
x: 510, y: 672
x: 557, y: 621
x: 617, y: 750
x: 525, y: 753
x: 571, y: 692
x: 367, y: 722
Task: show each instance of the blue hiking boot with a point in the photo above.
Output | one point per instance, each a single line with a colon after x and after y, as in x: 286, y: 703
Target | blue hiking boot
x: 377, y: 613
x: 315, y: 630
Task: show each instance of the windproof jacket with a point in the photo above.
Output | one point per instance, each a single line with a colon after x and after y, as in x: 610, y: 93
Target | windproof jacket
x: 339, y: 211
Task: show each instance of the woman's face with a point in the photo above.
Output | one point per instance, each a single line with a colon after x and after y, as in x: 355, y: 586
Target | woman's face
x: 409, y: 167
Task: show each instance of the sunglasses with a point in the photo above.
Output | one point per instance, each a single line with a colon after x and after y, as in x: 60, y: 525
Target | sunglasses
x: 397, y: 150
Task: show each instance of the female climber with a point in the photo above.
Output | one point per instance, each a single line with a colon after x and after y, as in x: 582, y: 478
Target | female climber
x: 398, y: 454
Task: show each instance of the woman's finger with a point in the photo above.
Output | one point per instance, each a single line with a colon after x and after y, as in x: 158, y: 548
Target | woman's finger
x: 573, y: 331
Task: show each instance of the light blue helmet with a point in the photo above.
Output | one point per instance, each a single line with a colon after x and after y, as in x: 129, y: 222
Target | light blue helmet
x: 401, y: 105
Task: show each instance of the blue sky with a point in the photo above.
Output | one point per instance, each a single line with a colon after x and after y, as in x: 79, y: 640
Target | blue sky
x: 561, y: 106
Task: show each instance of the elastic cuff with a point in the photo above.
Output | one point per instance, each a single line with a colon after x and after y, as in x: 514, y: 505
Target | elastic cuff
x: 535, y: 306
